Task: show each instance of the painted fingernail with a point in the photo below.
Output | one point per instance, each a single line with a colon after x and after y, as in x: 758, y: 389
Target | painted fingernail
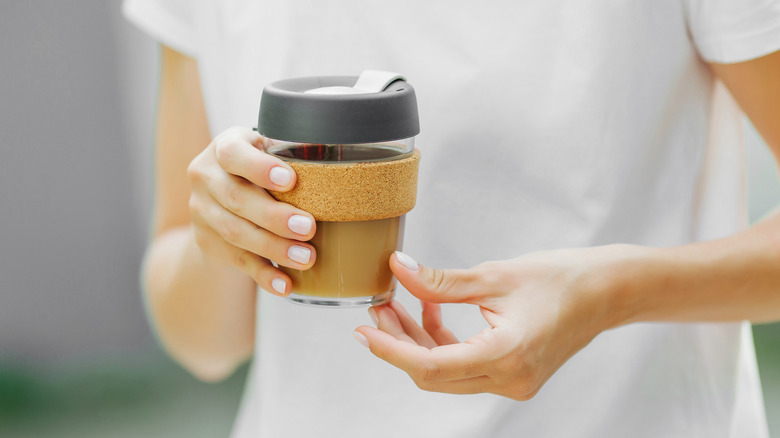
x: 360, y: 337
x: 407, y: 261
x: 373, y: 315
x: 279, y: 285
x: 299, y: 224
x: 280, y: 176
x: 299, y: 254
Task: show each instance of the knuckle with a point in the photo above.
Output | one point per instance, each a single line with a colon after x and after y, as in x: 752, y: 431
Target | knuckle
x: 381, y: 353
x: 441, y: 280
x: 264, y: 246
x: 425, y: 386
x: 433, y: 327
x: 230, y: 230
x: 195, y: 170
x: 234, y: 198
x: 437, y: 280
x: 432, y: 373
x: 256, y: 268
x: 241, y: 260
x: 248, y: 263
x: 226, y: 148
x: 427, y: 376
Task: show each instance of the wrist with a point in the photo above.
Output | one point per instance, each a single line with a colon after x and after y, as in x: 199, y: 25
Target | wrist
x: 626, y: 272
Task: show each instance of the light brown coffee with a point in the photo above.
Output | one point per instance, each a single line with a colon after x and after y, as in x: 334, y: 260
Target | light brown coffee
x: 352, y: 259
x: 358, y: 194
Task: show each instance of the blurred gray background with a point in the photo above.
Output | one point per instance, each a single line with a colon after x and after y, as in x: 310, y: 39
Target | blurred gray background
x: 77, y: 89
x: 77, y: 358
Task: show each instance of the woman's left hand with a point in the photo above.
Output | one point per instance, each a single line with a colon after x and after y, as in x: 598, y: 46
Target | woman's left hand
x: 541, y: 309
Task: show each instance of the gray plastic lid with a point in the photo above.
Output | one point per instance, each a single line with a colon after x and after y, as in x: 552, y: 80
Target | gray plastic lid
x: 339, y: 110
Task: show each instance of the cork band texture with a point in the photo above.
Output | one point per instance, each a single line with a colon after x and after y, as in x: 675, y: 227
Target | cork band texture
x: 346, y: 192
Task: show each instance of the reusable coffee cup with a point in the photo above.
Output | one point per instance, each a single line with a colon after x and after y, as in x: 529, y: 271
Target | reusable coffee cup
x: 350, y: 140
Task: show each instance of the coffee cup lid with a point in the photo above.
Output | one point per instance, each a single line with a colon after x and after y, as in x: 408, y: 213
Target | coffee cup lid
x: 376, y: 106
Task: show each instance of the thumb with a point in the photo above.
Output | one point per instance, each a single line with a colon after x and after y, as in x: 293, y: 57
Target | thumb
x: 436, y: 285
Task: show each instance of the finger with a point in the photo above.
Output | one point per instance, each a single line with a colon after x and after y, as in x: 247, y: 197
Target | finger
x: 440, y: 364
x: 437, y: 285
x: 243, y: 234
x: 432, y: 323
x: 236, y: 153
x: 410, y: 326
x: 387, y: 321
x: 258, y: 268
x: 254, y: 204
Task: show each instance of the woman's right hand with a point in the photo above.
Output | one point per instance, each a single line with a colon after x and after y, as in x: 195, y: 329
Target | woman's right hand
x: 236, y: 221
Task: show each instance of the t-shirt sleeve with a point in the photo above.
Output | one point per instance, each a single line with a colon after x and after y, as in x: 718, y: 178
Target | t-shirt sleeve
x: 727, y: 31
x: 171, y: 22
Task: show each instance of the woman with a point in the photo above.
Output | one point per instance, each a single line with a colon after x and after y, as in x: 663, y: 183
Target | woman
x: 599, y: 126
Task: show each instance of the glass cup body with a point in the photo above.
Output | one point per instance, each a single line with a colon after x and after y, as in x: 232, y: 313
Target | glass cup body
x: 351, y: 268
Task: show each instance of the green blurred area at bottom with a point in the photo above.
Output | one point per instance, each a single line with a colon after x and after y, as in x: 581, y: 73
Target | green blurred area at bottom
x: 145, y: 395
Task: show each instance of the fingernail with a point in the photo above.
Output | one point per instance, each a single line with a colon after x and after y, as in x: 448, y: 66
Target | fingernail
x: 407, y: 261
x: 279, y: 285
x: 280, y: 176
x: 299, y: 224
x: 299, y: 254
x: 373, y: 315
x: 360, y: 337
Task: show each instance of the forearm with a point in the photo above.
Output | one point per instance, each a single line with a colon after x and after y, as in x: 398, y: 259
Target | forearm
x: 202, y: 310
x: 731, y: 279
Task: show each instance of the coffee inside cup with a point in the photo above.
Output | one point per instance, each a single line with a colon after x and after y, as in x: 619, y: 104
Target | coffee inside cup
x: 352, y: 259
x: 352, y: 256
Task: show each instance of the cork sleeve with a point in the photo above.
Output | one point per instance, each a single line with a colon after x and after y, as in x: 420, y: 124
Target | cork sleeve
x: 343, y: 192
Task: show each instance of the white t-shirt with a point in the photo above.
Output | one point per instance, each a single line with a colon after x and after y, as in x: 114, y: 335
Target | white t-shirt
x: 545, y: 124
